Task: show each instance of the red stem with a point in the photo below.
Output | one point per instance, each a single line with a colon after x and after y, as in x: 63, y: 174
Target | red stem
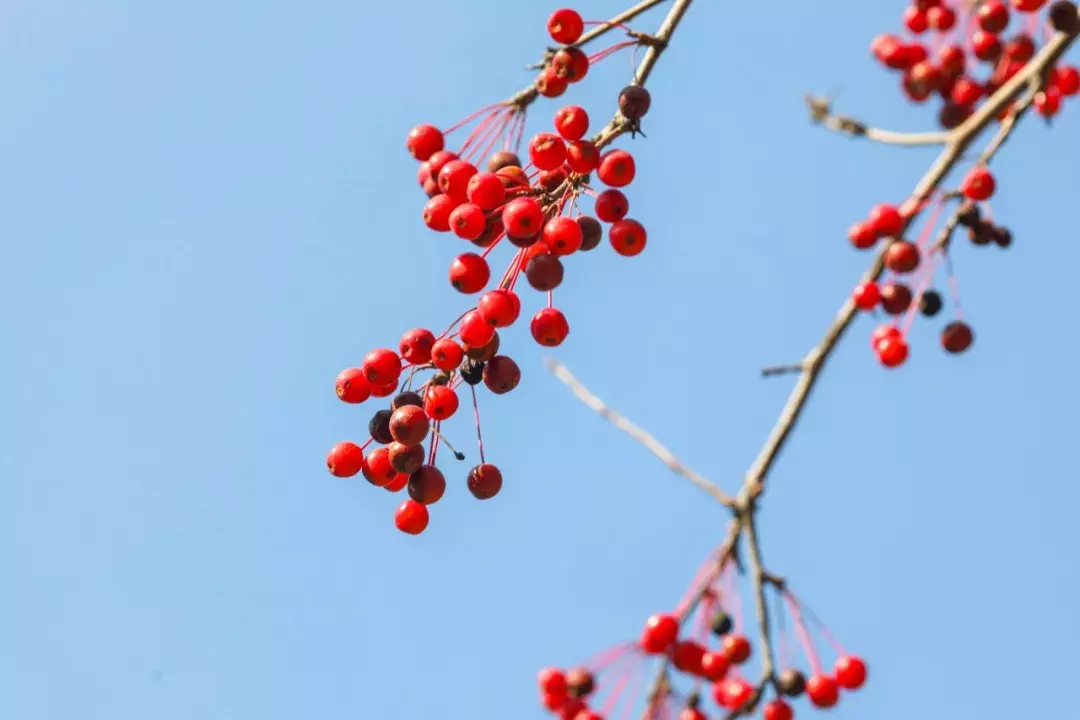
x: 476, y: 414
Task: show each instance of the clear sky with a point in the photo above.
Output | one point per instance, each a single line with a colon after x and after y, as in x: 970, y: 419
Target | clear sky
x: 206, y: 211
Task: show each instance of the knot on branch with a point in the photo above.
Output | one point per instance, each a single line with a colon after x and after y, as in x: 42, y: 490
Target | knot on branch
x: 821, y: 114
x: 647, y: 40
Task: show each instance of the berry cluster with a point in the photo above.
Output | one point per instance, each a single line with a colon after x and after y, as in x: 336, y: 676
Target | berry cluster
x: 702, y: 641
x: 533, y: 207
x: 963, y: 39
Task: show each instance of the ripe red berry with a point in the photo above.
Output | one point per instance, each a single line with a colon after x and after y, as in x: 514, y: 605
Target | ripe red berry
x: 686, y: 656
x: 778, y: 710
x: 659, y: 633
x: 570, y: 64
x: 485, y: 190
x: 881, y: 332
x: 886, y: 220
x: 499, y: 308
x: 409, y: 425
x: 468, y: 221
x: 381, y: 366
x: 895, y: 297
x: 736, y: 649
x: 484, y: 481
x: 941, y: 18
x: 427, y: 485
x: 850, y: 672
x: 454, y: 179
x: 611, y: 205
x: 549, y: 327
x: 562, y: 235
x: 483, y: 353
x: 1066, y: 78
x: 572, y: 122
x: 405, y: 459
x: 377, y: 468
x: 549, y: 84
x: 1028, y: 5
x: 892, y: 351
x: 415, y: 346
x: 985, y: 45
x: 474, y: 330
x: 440, y: 402
x: 902, y: 257
x: 993, y: 16
x: 446, y: 354
x: 547, y: 151
x: 544, y: 272
x: 965, y: 91
x: 866, y: 295
x: 957, y: 337
x: 714, y: 666
x: 1048, y: 102
x: 411, y: 517
x: 501, y: 374
x: 582, y: 156
x: 616, y: 168
x: 523, y: 217
x: 423, y: 141
x: 397, y: 484
x: 862, y: 235
x: 915, y: 19
x: 552, y: 681
x: 437, y: 212
x: 627, y: 237
x: 469, y: 273
x: 952, y: 59
x: 344, y: 459
x: 823, y: 691
x: 386, y: 390
x: 351, y: 386
x: 565, y: 26
x: 978, y: 184
x: 692, y: 713
x: 732, y: 693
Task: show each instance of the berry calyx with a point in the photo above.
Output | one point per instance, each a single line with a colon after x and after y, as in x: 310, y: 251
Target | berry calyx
x: 344, y: 459
x: 411, y: 517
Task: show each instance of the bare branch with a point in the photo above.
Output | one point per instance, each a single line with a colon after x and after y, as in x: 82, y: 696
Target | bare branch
x: 774, y: 370
x: 652, y: 444
x: 821, y: 114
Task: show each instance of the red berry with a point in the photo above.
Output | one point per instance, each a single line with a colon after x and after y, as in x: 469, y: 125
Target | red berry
x: 985, y: 45
x: 549, y: 84
x: 405, y: 459
x: 552, y: 681
x: 411, y: 517
x: 345, y: 459
x: 386, y: 390
x: 501, y: 374
x: 965, y: 91
x: 381, y: 366
x: 475, y: 331
x: 778, y: 709
x: 454, y: 179
x: 486, y: 190
x: 523, y: 217
x: 915, y: 19
x: 562, y: 235
x: 886, y: 220
x: 565, y: 26
x: 892, y: 351
x: 978, y: 184
x: 397, y: 484
x: 867, y: 295
x: 692, y: 713
x: 1048, y: 102
x: 572, y: 122
x: 377, y: 468
x: 437, y: 212
x: 574, y: 708
x: 957, y: 337
x: 850, y: 672
x: 549, y: 327
x: 469, y: 273
x: 882, y: 332
x: 733, y: 693
x: 437, y: 161
x: 415, y: 346
x: 440, y: 402
x: 423, y: 141
x: 1028, y: 5
x: 352, y: 386
x: 484, y: 481
x: 862, y: 235
x: 660, y: 632
x: 409, y: 425
x: 823, y: 691
x: 427, y: 485
x: 714, y: 666
x: 447, y: 354
x: 499, y: 308
x: 468, y: 221
x: 547, y: 151
x: 582, y: 156
x: 736, y: 649
x: 686, y: 656
x: 611, y: 205
x: 902, y: 257
x: 570, y: 64
x: 952, y: 59
x: 941, y: 18
x: 993, y: 16
x: 616, y: 168
x: 627, y: 237
x: 1066, y: 78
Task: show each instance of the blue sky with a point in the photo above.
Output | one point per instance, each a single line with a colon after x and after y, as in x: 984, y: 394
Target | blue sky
x: 207, y: 212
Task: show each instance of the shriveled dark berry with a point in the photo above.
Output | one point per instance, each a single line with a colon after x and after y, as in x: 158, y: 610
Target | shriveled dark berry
x: 592, y: 232
x: 721, y: 624
x: 379, y: 427
x: 580, y: 682
x: 951, y: 115
x: 1064, y: 17
x: 930, y: 304
x: 694, y: 700
x: 969, y: 216
x: 493, y: 227
x: 406, y: 398
x: 472, y: 371
x: 440, y: 378
x: 981, y: 234
x: 791, y: 682
x: 501, y: 159
x: 634, y: 102
x: 1002, y: 236
x: 544, y: 272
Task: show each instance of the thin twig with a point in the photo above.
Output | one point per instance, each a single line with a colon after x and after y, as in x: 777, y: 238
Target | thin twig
x: 652, y: 444
x: 821, y: 114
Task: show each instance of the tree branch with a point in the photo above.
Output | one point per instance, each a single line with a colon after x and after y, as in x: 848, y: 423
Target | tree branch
x: 821, y: 114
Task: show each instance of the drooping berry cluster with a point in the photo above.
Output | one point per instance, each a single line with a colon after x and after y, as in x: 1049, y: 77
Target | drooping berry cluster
x: 533, y: 207
x: 970, y: 53
x: 702, y: 642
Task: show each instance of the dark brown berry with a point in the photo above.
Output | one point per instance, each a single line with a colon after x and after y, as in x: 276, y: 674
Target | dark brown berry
x: 406, y: 398
x: 484, y: 482
x: 981, y: 234
x: 1002, y: 236
x: 472, y: 371
x: 957, y: 337
x: 580, y: 682
x: 1064, y: 17
x: 895, y: 298
x: 440, y: 378
x: 544, y: 272
x: 501, y: 159
x: 952, y: 115
x: 930, y: 303
x: 379, y: 427
x: 427, y: 485
x: 592, y: 232
x: 721, y: 624
x: 501, y: 374
x: 969, y: 215
x: 634, y: 102
x: 485, y: 353
x: 791, y: 682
